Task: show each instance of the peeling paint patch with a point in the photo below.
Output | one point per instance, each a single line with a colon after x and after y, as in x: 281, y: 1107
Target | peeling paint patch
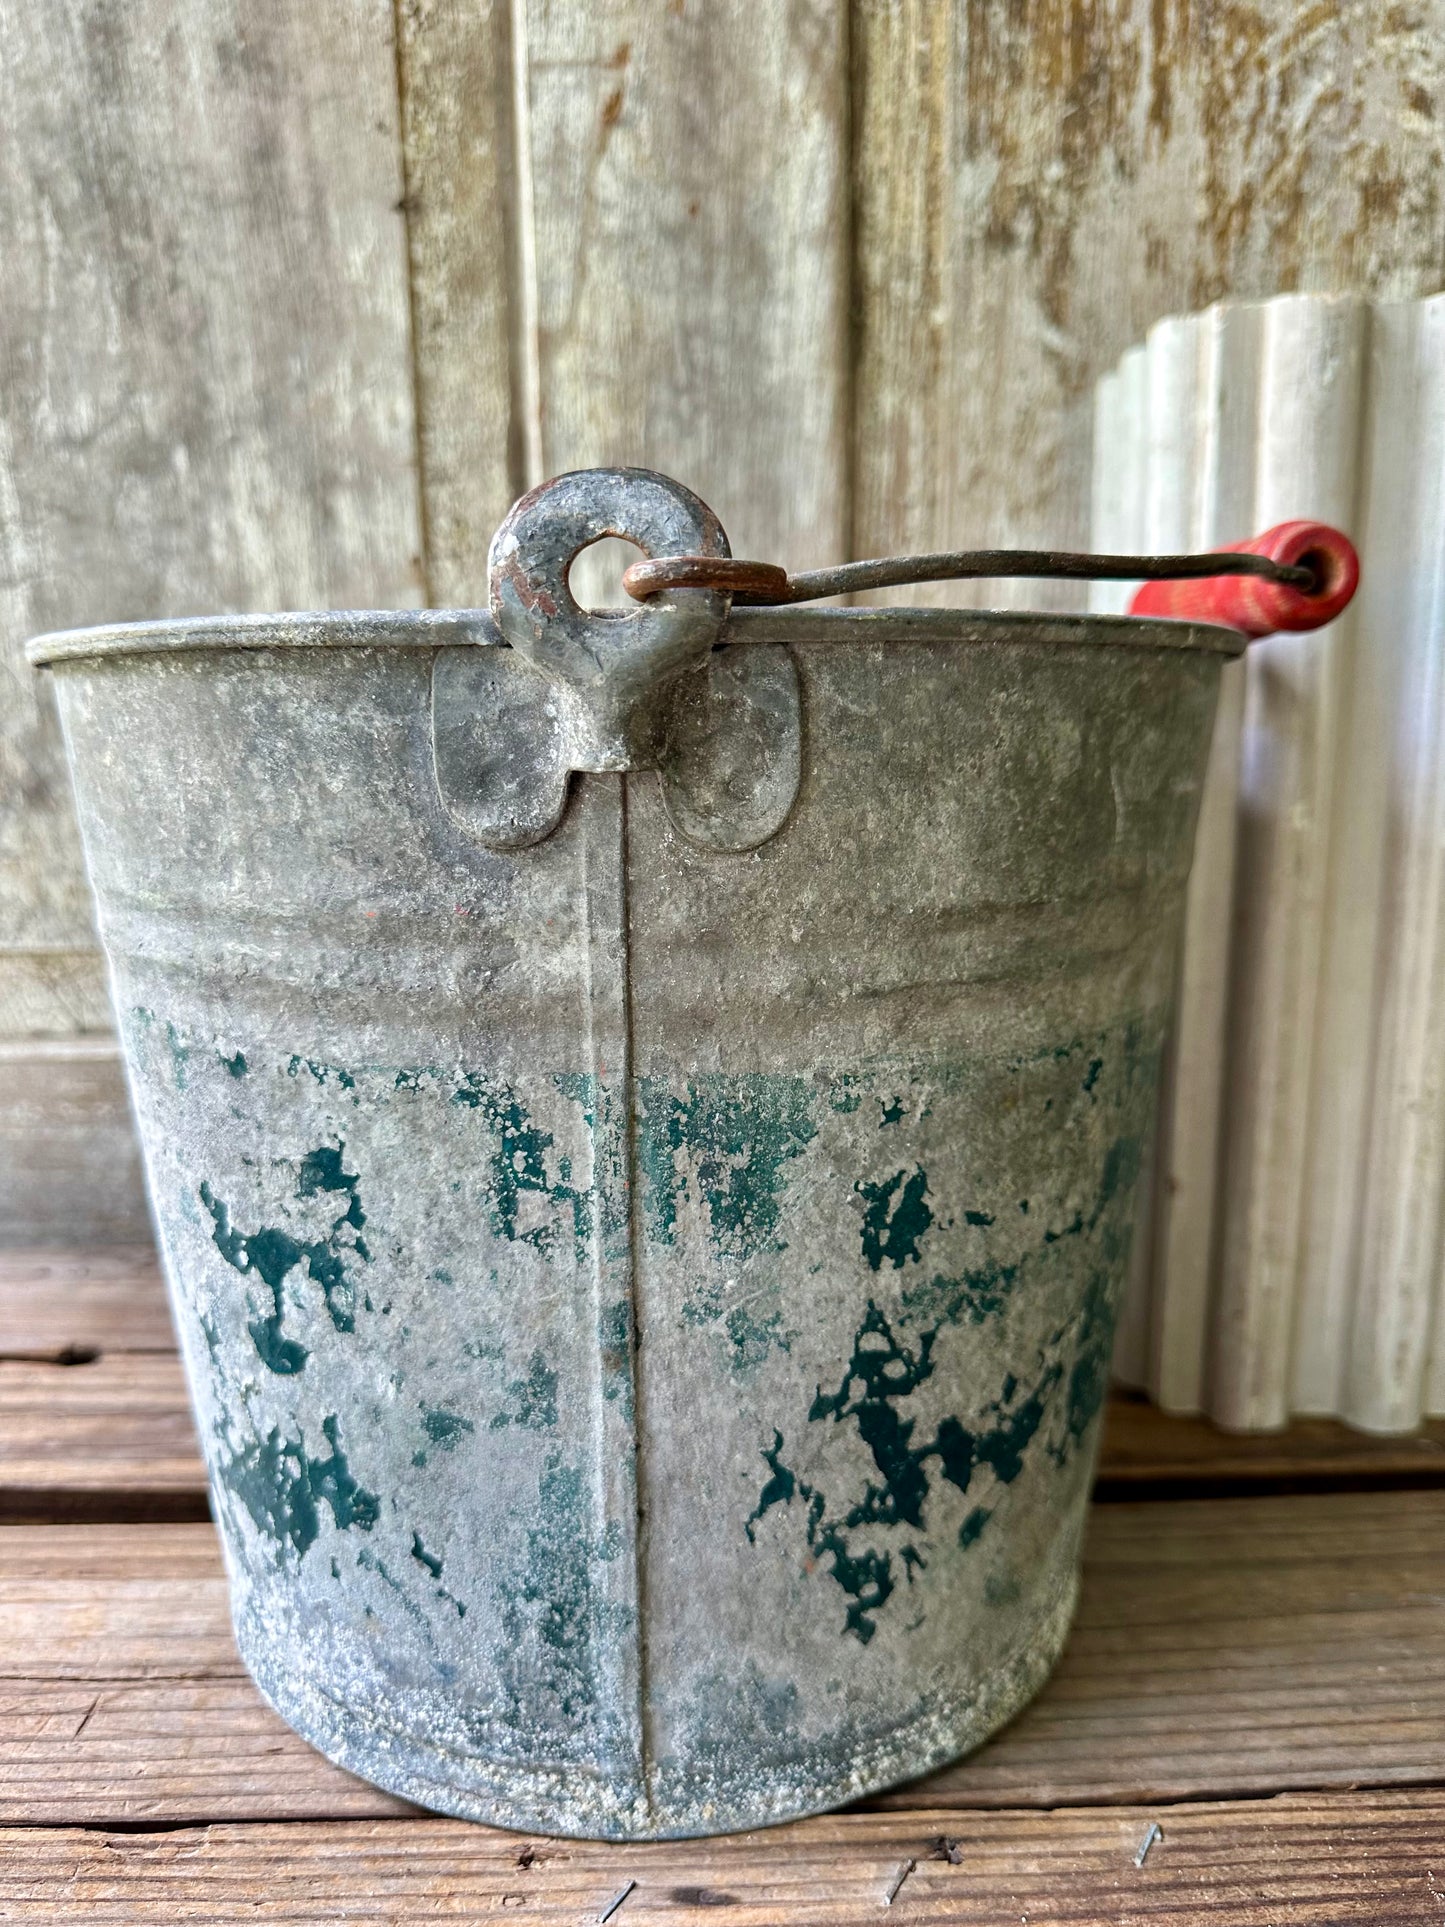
x: 550, y: 1611
x: 896, y: 1216
x: 444, y: 1429
x: 534, y: 1399
x: 271, y: 1253
x: 424, y: 1558
x: 882, y: 1372
x: 323, y: 1073
x: 524, y: 1162
x: 725, y: 1143
x: 614, y: 1340
x: 282, y: 1488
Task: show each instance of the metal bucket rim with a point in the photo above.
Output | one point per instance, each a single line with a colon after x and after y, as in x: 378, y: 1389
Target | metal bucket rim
x: 474, y: 628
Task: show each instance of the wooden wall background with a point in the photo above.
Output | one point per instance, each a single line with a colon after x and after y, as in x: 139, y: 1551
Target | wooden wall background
x: 300, y: 293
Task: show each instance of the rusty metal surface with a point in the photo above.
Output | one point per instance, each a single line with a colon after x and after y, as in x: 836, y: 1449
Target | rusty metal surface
x: 765, y: 582
x: 647, y: 1302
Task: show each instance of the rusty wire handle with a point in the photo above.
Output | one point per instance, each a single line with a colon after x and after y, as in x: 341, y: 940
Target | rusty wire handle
x: 765, y: 582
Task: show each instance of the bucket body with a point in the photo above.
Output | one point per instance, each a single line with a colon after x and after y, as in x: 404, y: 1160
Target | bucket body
x: 647, y: 1305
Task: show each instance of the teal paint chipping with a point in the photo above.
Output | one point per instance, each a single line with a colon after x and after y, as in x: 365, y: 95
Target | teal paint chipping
x: 884, y: 1372
x: 895, y: 1218
x: 725, y: 1142
x: 272, y: 1253
x: 282, y: 1487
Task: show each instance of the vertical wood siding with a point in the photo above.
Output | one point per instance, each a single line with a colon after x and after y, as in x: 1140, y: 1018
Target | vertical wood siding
x: 205, y: 404
x: 851, y: 270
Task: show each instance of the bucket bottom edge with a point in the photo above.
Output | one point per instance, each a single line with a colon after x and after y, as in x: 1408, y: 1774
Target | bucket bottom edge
x: 578, y: 1804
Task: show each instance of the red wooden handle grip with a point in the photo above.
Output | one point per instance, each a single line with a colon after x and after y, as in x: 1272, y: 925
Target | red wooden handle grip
x: 1258, y: 607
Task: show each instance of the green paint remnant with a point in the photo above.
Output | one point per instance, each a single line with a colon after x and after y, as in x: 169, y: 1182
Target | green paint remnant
x: 177, y: 1050
x: 751, y: 1335
x: 272, y: 1253
x: 235, y: 1065
x: 1070, y: 1230
x: 752, y: 1338
x: 971, y: 1297
x: 283, y: 1488
x: 871, y: 1537
x: 892, y: 1113
x: 882, y: 1372
x: 1088, y: 1382
x: 973, y: 1525
x: 519, y: 1165
x: 372, y: 1562
x: 896, y: 1217
x: 445, y: 1429
x: 551, y: 1603
x: 535, y: 1398
x: 1002, y: 1589
x: 614, y: 1344
x: 726, y: 1142
x: 425, y: 1558
x: 844, y: 1098
x: 323, y: 1073
x: 1121, y: 1172
x: 180, y: 1055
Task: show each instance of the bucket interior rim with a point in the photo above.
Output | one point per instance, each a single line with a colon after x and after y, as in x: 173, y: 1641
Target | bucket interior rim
x: 474, y: 628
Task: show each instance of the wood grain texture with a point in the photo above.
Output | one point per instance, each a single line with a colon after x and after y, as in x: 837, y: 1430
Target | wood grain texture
x: 113, y: 1424
x: 69, y: 1158
x: 685, y: 215
x: 456, y: 84
x: 205, y: 405
x: 109, y: 1434
x: 1222, y: 1647
x: 1146, y: 1451
x: 1308, y: 1861
x: 111, y: 1300
x: 1036, y: 184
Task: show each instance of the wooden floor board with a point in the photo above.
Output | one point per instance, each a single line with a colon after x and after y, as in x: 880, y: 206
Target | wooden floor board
x: 107, y: 1301
x: 1314, y: 1861
x: 1222, y: 1648
x: 95, y: 1422
x: 1261, y: 1677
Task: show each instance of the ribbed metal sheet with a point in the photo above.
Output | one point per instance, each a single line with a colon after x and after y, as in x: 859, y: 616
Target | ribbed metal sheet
x: 1292, y: 1261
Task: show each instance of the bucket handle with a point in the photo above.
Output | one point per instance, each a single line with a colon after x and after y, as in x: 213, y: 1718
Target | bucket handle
x: 613, y: 690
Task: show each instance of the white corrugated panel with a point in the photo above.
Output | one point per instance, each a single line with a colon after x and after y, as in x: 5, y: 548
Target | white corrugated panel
x: 1291, y: 1256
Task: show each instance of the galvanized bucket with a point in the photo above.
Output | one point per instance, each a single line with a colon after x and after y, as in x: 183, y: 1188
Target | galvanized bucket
x: 644, y: 1245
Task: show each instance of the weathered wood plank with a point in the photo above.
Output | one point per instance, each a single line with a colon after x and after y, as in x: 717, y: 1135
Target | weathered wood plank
x: 114, y: 1424
x: 69, y: 1160
x: 1222, y: 1648
x: 67, y: 1301
x: 1145, y: 1450
x: 205, y: 405
x: 1310, y: 1861
x: 1036, y: 184
x: 684, y: 210
x: 113, y: 1429
x: 455, y: 69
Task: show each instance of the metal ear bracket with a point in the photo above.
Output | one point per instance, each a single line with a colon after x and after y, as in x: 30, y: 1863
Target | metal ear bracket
x: 612, y: 690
